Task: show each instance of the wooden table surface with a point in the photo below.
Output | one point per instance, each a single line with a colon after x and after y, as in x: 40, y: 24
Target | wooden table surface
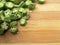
x: 43, y: 26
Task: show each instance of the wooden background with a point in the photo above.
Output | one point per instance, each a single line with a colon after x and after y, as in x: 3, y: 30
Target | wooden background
x: 43, y: 26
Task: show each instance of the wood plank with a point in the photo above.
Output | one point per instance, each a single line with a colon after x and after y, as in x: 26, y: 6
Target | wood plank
x: 44, y: 31
x: 45, y: 15
x: 52, y: 1
x: 38, y: 36
x: 43, y: 26
x: 48, y: 7
x: 32, y: 44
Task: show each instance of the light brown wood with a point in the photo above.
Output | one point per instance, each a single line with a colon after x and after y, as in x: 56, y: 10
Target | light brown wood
x: 48, y: 7
x: 31, y: 44
x: 43, y: 26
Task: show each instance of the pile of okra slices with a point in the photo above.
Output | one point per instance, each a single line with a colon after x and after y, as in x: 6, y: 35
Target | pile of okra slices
x: 14, y: 11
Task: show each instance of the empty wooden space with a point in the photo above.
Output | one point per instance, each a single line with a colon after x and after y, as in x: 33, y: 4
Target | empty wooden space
x: 43, y: 26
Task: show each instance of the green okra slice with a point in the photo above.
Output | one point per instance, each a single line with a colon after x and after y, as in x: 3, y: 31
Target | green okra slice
x: 9, y: 5
x: 13, y: 23
x: 13, y: 30
x: 1, y: 31
x: 41, y: 1
x: 5, y: 25
x: 27, y: 17
x: 29, y: 4
x: 22, y: 11
x: 22, y: 22
x: 7, y: 14
x: 21, y: 4
x: 1, y: 5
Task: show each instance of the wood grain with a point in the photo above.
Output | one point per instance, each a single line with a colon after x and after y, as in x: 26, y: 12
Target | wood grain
x: 52, y: 1
x: 43, y: 26
x: 48, y: 7
x: 32, y: 44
